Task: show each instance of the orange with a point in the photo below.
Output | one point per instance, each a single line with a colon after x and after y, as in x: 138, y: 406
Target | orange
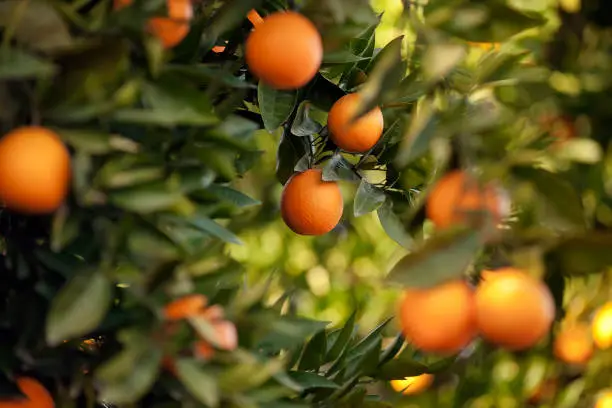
x: 439, y: 319
x: 413, y: 385
x: 574, y: 344
x: 285, y: 50
x: 309, y: 205
x: 185, y: 307
x: 34, y: 170
x: 602, y: 327
x: 169, y: 30
x: 218, y: 49
x: 513, y: 310
x: 458, y: 198
x: 254, y: 17
x: 604, y: 399
x: 36, y: 395
x: 355, y: 136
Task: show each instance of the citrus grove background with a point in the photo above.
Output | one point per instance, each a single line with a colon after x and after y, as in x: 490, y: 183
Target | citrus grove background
x: 167, y: 242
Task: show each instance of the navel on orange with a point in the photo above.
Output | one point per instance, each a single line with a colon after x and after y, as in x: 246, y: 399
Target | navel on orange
x: 355, y: 136
x: 285, y: 50
x: 36, y: 395
x: 440, y: 319
x: 34, y: 170
x: 309, y: 205
x: 513, y: 309
x: 458, y: 198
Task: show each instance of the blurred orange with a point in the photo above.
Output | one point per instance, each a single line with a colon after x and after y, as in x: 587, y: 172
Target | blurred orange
x: 602, y: 327
x: 574, y: 344
x: 413, y: 385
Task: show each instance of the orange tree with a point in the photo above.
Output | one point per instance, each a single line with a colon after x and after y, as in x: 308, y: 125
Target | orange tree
x: 127, y: 127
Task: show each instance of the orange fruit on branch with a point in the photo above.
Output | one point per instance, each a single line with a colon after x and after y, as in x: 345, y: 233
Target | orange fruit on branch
x: 513, y: 309
x: 285, y: 50
x: 413, y: 385
x: 355, y: 135
x: 34, y: 170
x: 170, y: 30
x: 574, y: 344
x: 602, y: 327
x: 36, y: 395
x: 187, y: 306
x: 440, y: 319
x: 459, y: 199
x: 309, y: 205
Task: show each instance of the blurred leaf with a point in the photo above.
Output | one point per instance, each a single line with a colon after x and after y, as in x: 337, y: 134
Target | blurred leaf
x: 37, y: 25
x: 310, y: 380
x: 200, y: 384
x: 400, y: 367
x: 275, y: 106
x: 285, y: 332
x: 368, y: 198
x: 146, y: 199
x: 17, y: 64
x: 341, y: 57
x: 314, y: 352
x: 498, y: 66
x: 303, y: 125
x: 249, y: 375
x: 78, y: 308
x: 228, y: 16
x: 582, y: 254
x: 570, y: 395
x: 440, y: 59
x: 442, y: 257
x: 338, y: 168
x: 235, y: 197
x: 393, y: 226
x: 203, y: 223
x: 419, y: 134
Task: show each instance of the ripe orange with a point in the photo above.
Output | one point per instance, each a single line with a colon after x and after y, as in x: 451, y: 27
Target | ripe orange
x: 413, y: 385
x: 218, y: 49
x: 513, y: 310
x: 574, y: 344
x: 355, y: 136
x: 185, y: 307
x: 172, y: 29
x: 36, y: 394
x: 439, y: 319
x: 254, y: 17
x: 285, y: 50
x: 604, y: 400
x: 309, y: 205
x: 34, y: 170
x: 602, y: 327
x: 457, y: 198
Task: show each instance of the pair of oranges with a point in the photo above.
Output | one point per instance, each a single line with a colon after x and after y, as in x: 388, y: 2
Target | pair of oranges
x: 508, y: 308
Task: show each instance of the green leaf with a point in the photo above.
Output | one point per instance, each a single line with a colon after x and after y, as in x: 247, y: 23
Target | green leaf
x: 440, y: 59
x: 404, y: 365
x: 275, y: 106
x: 341, y: 56
x: 96, y: 142
x: 146, y: 199
x: 393, y: 226
x: 78, y: 308
x: 582, y: 254
x: 290, y: 150
x: 137, y: 380
x: 203, y: 223
x: 17, y: 64
x: 285, y: 332
x: 199, y: 383
x: 558, y: 202
x: 343, y: 338
x: 303, y: 125
x: 249, y: 374
x: 235, y: 197
x: 419, y: 134
x: 338, y: 168
x: 309, y: 380
x: 368, y: 198
x: 314, y: 352
x: 37, y: 25
x: 442, y: 257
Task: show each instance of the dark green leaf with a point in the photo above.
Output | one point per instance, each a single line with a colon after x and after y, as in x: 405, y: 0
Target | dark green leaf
x: 17, y: 64
x: 419, y: 134
x: 310, y: 380
x: 314, y: 352
x: 441, y: 258
x: 146, y: 199
x: 275, y: 106
x: 393, y: 226
x: 583, y: 254
x: 303, y: 125
x: 78, y: 308
x: 286, y: 331
x: 338, y: 168
x: 368, y: 198
x: 201, y: 384
x: 201, y: 222
x: 235, y: 197
x: 342, y: 339
x: 290, y: 150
